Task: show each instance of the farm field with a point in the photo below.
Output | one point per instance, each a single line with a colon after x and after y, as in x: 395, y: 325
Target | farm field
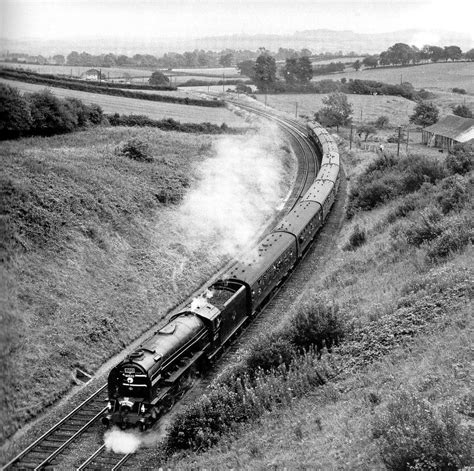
x: 76, y: 71
x: 440, y: 76
x: 155, y: 110
x: 366, y: 107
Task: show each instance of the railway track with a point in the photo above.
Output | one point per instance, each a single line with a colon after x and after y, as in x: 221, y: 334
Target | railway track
x: 48, y: 450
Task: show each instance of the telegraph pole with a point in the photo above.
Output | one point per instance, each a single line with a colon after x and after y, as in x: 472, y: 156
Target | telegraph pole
x: 398, y: 140
x: 296, y: 110
x: 408, y: 138
x: 350, y: 139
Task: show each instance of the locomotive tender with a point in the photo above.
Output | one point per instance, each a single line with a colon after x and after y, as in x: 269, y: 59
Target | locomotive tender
x: 147, y: 382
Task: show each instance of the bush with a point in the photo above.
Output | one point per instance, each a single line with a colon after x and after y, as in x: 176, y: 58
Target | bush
x: 50, y: 114
x: 458, y: 234
x: 407, y: 205
x: 15, y: 115
x: 461, y: 159
x: 426, y: 229
x: 356, y: 239
x: 412, y: 434
x: 382, y: 122
x: 461, y: 91
x: 135, y: 149
x: 318, y: 324
x: 453, y: 194
x: 270, y: 352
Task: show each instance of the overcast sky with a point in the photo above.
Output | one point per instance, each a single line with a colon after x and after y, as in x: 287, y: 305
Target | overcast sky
x: 61, y: 19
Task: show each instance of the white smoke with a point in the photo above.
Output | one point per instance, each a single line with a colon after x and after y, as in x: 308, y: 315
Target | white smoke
x: 119, y: 441
x: 238, y: 191
x: 201, y: 301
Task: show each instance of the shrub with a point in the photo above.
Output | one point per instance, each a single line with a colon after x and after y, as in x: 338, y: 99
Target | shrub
x: 135, y: 149
x: 458, y: 234
x: 461, y: 91
x: 413, y: 434
x: 461, y: 159
x: 426, y: 229
x: 418, y: 170
x: 318, y: 324
x: 50, y: 114
x: 368, y: 196
x: 269, y: 352
x: 356, y: 239
x: 407, y: 205
x: 382, y: 122
x: 15, y: 116
x: 453, y: 194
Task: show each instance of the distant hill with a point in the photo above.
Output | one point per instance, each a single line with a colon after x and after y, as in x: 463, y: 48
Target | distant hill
x: 320, y: 40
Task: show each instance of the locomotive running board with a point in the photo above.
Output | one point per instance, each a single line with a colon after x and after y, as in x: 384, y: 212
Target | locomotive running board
x: 178, y: 373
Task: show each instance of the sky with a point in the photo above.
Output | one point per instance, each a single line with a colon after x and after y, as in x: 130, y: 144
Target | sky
x: 67, y: 19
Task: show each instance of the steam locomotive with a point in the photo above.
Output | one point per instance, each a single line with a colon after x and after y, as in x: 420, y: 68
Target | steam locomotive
x: 150, y: 379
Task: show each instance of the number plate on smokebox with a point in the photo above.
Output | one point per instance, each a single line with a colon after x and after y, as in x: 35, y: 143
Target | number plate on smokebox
x: 130, y: 371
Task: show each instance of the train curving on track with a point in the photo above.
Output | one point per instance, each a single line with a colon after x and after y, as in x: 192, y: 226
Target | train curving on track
x: 146, y: 383
x: 150, y: 379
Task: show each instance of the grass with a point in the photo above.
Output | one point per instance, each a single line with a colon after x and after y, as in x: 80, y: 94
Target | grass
x: 154, y: 110
x: 367, y: 107
x: 438, y: 77
x: 93, y: 253
x: 408, y: 325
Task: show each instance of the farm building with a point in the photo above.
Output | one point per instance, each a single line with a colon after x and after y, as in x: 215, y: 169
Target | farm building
x: 92, y: 74
x: 449, y: 131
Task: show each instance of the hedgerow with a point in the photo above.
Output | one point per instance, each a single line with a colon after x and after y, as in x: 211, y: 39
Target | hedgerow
x: 42, y: 113
x: 169, y: 124
x: 107, y: 89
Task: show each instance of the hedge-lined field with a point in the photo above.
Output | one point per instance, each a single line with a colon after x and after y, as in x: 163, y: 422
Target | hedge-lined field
x: 440, y: 76
x: 154, y: 110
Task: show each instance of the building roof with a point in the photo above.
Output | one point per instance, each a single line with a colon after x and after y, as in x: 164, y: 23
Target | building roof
x: 451, y: 126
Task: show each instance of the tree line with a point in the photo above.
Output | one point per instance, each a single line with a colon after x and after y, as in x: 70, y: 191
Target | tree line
x: 404, y: 54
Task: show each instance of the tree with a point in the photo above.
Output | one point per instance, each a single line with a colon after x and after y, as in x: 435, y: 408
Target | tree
x: 370, y: 61
x: 469, y: 55
x: 50, y: 115
x: 463, y: 111
x: 158, y: 78
x: 73, y: 58
x: 436, y: 53
x: 425, y: 114
x: 400, y: 53
x: 226, y: 59
x: 59, y: 59
x: 337, y: 111
x: 366, y: 129
x: 304, y: 70
x: 15, y: 116
x: 357, y: 65
x: 247, y: 68
x: 265, y: 72
x: 382, y: 122
x: 290, y: 70
x: 452, y: 52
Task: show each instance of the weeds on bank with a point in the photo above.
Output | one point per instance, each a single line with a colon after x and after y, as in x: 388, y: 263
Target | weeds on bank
x: 432, y: 219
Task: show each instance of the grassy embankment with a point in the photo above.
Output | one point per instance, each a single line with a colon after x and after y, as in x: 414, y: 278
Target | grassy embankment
x: 397, y: 294
x: 92, y: 253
